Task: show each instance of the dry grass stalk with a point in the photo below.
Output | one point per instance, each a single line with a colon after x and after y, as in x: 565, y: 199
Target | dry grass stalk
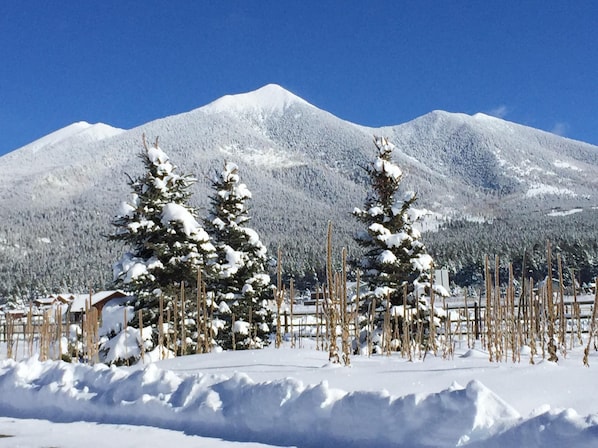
x: 210, y: 320
x: 371, y: 325
x: 512, y: 319
x: 279, y: 298
x: 125, y: 326
x: 586, y: 352
x: 44, y: 337
x: 200, y: 319
x: 458, y: 327
x: 419, y: 339
x: 489, y: 323
x: 542, y: 316
x: 250, y: 322
x: 175, y: 325
x: 405, y: 347
x: 207, y: 319
x: 333, y: 355
x: 432, y: 336
x: 161, y: 327
x: 411, y: 335
x: 291, y: 300
x: 233, y: 332
x: 94, y: 339
x: 327, y: 318
x: 386, y: 328
x: 552, y: 356
x: 318, y: 318
x: 10, y: 336
x: 532, y: 322
x: 498, y: 312
x: 467, y: 322
x: 30, y: 333
x: 576, y: 311
x: 479, y: 320
x: 561, y: 311
x: 168, y: 329
x: 448, y: 337
x: 183, y: 320
x: 141, y: 336
x: 59, y: 331
x: 345, y: 315
x: 356, y: 307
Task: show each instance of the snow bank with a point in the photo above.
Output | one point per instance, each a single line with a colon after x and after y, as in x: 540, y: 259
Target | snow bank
x: 284, y: 412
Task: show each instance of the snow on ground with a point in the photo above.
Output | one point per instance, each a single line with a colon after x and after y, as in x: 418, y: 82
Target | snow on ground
x: 28, y: 433
x: 295, y: 397
x: 539, y: 189
x: 565, y: 212
x: 563, y: 164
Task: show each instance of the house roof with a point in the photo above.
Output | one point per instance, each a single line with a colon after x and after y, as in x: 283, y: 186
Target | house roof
x: 80, y: 301
x: 45, y: 300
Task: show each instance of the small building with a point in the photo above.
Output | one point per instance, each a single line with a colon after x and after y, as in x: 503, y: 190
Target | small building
x: 98, y: 300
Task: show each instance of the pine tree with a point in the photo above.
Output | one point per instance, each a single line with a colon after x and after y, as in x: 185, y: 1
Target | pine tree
x: 241, y: 284
x: 395, y: 264
x: 167, y: 245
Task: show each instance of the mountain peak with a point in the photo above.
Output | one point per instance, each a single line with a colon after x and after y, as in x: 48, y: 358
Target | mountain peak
x: 270, y: 98
x: 79, y: 129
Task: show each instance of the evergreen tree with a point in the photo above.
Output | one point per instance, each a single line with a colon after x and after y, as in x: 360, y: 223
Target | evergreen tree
x: 395, y: 261
x: 167, y: 246
x: 240, y: 284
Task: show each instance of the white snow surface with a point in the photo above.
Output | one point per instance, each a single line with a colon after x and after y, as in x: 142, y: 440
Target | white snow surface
x: 295, y: 397
x: 565, y: 212
x: 563, y: 164
x: 157, y: 156
x: 270, y: 98
x: 388, y: 168
x: 82, y: 130
x: 178, y: 213
x: 539, y: 189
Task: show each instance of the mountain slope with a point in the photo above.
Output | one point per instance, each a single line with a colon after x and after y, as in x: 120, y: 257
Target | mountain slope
x: 303, y: 165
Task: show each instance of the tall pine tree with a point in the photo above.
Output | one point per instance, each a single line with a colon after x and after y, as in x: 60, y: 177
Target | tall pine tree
x: 166, y: 244
x: 395, y: 263
x: 240, y: 284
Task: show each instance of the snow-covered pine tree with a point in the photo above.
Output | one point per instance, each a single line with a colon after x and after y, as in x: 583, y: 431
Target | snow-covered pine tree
x: 166, y: 244
x: 395, y: 260
x: 241, y: 284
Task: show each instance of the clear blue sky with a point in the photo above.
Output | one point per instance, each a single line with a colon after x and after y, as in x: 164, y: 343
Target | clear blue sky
x: 371, y: 62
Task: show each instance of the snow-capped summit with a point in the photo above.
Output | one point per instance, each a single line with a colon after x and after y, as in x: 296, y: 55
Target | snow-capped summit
x: 56, y: 136
x: 270, y: 98
x: 80, y: 130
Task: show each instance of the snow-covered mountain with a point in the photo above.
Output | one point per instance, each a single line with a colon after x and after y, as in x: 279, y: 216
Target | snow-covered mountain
x: 303, y: 165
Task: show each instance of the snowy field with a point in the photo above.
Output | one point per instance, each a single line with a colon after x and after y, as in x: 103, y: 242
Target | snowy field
x: 294, y: 397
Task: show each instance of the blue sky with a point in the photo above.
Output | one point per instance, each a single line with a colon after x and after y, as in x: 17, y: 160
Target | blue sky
x: 374, y: 63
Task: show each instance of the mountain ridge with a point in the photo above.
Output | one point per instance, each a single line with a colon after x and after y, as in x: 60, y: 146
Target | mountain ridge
x: 304, y: 166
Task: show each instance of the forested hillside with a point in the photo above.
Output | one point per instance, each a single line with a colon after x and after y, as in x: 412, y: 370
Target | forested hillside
x: 490, y: 187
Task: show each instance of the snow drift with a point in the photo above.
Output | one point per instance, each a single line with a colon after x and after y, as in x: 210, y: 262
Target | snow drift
x: 283, y: 412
